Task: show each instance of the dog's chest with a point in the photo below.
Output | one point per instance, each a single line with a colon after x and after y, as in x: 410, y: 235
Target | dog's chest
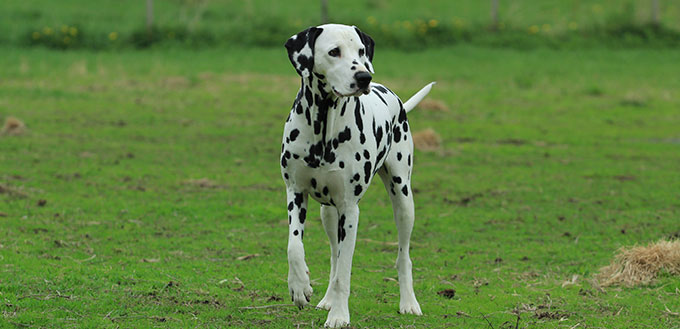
x: 335, y: 154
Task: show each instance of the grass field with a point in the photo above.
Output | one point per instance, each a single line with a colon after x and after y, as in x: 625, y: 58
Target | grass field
x: 112, y: 24
x: 146, y: 192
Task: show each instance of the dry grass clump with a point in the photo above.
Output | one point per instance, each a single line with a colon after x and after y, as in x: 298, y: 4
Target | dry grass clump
x: 13, y: 127
x: 641, y: 264
x: 434, y: 105
x: 427, y: 140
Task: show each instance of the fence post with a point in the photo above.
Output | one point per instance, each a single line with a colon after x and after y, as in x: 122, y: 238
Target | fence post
x: 324, y: 11
x: 149, y: 16
x: 655, y: 12
x: 494, y: 15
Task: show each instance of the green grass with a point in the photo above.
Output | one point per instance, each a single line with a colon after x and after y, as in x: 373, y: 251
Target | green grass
x: 563, y: 157
x: 399, y: 23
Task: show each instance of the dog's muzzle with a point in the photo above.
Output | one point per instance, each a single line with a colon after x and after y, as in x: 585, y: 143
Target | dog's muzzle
x: 363, y: 79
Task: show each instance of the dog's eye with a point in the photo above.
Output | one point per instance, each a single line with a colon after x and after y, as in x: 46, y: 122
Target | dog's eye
x: 361, y: 52
x: 335, y: 52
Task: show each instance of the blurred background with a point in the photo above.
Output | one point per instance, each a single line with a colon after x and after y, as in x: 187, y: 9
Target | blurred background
x: 110, y: 24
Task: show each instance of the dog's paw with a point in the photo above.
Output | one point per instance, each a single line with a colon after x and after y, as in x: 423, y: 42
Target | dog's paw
x: 410, y: 307
x: 300, y: 289
x: 337, y: 320
x: 325, y: 303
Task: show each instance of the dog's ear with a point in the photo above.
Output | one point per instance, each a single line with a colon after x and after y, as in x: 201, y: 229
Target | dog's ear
x: 301, y: 50
x: 369, y: 44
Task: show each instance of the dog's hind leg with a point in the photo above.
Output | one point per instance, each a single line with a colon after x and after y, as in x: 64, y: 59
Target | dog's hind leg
x: 329, y: 218
x: 298, y: 273
x: 396, y: 176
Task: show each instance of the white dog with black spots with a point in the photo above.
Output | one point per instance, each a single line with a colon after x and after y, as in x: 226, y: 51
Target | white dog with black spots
x: 341, y: 131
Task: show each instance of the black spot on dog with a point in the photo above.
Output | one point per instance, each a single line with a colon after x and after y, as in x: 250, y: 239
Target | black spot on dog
x: 378, y: 94
x: 396, y: 179
x: 402, y: 115
x: 356, y: 177
x: 341, y: 229
x: 308, y: 116
x: 396, y: 134
x: 313, y: 182
x: 294, y: 134
x: 367, y: 155
x: 295, y: 232
x: 285, y: 175
x: 342, y: 111
x: 381, y: 154
x: 357, y: 156
x: 345, y: 135
x: 341, y: 164
x: 290, y: 206
x: 381, y: 89
x: 404, y: 190
x: 303, y: 215
x: 309, y: 97
x: 325, y: 190
x: 367, y: 171
x: 378, y: 135
x: 398, y: 156
x: 298, y: 200
x: 357, y: 190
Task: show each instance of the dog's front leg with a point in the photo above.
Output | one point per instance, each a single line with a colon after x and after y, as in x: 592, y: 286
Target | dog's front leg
x: 298, y: 273
x: 347, y: 233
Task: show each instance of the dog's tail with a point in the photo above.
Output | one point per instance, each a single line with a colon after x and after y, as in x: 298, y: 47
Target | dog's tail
x: 415, y: 99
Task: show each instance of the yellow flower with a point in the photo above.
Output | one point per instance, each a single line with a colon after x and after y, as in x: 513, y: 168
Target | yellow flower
x: 113, y: 36
x: 546, y: 27
x: 64, y: 29
x: 371, y: 20
x: 422, y: 29
x: 47, y: 30
x: 573, y: 25
x: 73, y: 31
x: 36, y: 35
x: 533, y: 29
x: 67, y: 40
x: 433, y: 23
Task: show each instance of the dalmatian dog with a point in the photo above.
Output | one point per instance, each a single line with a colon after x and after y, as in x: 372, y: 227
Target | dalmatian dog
x: 341, y: 131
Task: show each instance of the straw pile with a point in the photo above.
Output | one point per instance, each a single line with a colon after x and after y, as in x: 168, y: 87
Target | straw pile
x: 641, y: 264
x: 427, y: 140
x: 13, y: 127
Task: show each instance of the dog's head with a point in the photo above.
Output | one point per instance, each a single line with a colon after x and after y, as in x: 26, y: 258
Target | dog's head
x: 339, y: 54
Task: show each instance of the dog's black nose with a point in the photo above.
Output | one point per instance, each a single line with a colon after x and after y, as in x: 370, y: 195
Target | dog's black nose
x: 363, y: 79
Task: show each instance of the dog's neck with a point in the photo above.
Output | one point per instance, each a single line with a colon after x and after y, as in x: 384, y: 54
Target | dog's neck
x: 321, y: 108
